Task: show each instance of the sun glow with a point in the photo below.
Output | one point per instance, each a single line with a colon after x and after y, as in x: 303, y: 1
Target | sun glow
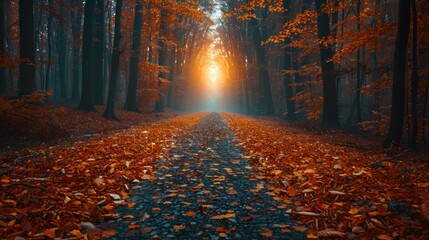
x: 213, y: 73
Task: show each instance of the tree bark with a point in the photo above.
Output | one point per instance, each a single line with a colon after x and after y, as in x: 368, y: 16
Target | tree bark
x: 263, y: 76
x: 76, y: 34
x: 399, y: 66
x: 414, y: 81
x: 98, y: 55
x: 87, y: 96
x: 131, y: 99
x: 330, y: 98
x: 27, y: 70
x: 287, y: 65
x: 110, y: 107
x: 159, y: 105
x: 61, y: 47
x: 358, y: 68
x: 3, y: 81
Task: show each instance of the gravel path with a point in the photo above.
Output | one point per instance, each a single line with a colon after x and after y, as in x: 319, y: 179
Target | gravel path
x: 206, y: 189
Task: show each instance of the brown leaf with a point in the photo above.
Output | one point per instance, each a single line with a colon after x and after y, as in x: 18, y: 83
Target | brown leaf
x: 222, y: 216
x: 330, y: 233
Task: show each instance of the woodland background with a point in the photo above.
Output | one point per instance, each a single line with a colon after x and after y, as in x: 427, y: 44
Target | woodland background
x: 330, y: 63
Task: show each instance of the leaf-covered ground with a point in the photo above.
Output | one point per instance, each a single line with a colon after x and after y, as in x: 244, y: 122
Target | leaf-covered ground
x: 205, y: 188
x: 339, y: 184
x: 214, y: 176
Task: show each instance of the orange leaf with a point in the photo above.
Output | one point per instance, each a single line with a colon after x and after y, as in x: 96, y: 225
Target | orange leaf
x: 108, y: 233
x: 50, y: 232
x: 291, y: 191
x: 76, y: 233
x: 179, y: 227
x: 191, y: 214
x: 133, y: 226
x: 222, y: 216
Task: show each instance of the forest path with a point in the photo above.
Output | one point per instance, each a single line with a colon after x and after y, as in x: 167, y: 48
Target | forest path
x: 205, y: 189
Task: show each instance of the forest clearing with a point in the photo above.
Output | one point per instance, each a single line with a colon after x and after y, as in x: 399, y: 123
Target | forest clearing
x: 214, y: 119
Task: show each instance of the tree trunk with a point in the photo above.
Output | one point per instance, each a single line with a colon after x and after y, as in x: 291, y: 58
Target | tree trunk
x: 3, y: 81
x: 61, y: 47
x: 263, y: 76
x: 76, y: 34
x: 110, y: 107
x: 131, y: 99
x: 171, y: 79
x: 49, y: 47
x: 159, y: 105
x: 399, y: 66
x: 87, y: 96
x: 97, y: 44
x: 287, y: 65
x: 358, y: 69
x: 330, y: 98
x: 27, y: 70
x: 414, y: 81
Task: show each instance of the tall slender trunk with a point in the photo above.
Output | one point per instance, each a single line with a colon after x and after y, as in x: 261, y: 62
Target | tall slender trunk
x: 171, y: 79
x: 414, y: 81
x: 330, y: 98
x: 110, y: 107
x: 287, y: 65
x: 399, y: 74
x: 3, y: 81
x: 358, y: 68
x: 27, y: 70
x: 49, y: 41
x: 263, y: 76
x: 131, y: 99
x: 76, y: 34
x: 97, y: 53
x: 159, y: 105
x: 61, y: 47
x: 87, y: 96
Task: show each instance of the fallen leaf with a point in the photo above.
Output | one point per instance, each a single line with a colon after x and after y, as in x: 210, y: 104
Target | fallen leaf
x: 300, y: 228
x: 133, y: 226
x: 291, y: 191
x: 179, y: 227
x: 76, y: 233
x: 384, y: 237
x: 330, y: 233
x: 50, y: 232
x: 191, y: 214
x: 108, y: 233
x: 146, y: 230
x: 223, y: 216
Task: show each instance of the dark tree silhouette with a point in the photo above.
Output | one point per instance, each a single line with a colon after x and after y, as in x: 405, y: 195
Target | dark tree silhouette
x: 110, y: 107
x: 27, y: 70
x: 3, y: 82
x: 263, y: 76
x: 287, y: 65
x: 61, y: 47
x: 131, y: 100
x: 98, y: 54
x: 159, y: 105
x: 414, y: 80
x: 76, y: 16
x: 399, y: 70
x: 49, y: 43
x: 87, y: 96
x: 330, y: 99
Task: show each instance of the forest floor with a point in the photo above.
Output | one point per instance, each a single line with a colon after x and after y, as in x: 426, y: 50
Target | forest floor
x: 214, y: 176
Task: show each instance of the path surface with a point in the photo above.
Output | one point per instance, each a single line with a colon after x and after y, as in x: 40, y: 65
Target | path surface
x: 206, y: 189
